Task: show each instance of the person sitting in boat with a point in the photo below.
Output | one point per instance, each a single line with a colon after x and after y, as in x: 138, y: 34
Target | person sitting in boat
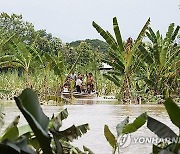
x: 67, y: 85
x: 78, y: 84
x: 65, y: 89
x: 90, y: 80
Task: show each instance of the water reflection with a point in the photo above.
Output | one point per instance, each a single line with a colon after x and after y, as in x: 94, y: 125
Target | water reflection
x: 98, y: 113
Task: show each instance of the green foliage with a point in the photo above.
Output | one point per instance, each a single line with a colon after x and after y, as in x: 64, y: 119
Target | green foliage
x: 109, y: 136
x: 28, y: 104
x: 160, y: 129
x: 11, y: 132
x: 16, y: 147
x: 40, y: 129
x: 160, y: 56
x: 163, y: 131
x: 94, y: 43
x: 121, y: 56
x: 123, y: 128
x: 174, y: 111
x: 137, y: 123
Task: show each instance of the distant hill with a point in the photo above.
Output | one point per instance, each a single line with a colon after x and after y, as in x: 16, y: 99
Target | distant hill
x: 95, y: 43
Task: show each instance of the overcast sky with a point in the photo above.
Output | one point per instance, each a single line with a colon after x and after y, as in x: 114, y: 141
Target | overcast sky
x: 72, y: 19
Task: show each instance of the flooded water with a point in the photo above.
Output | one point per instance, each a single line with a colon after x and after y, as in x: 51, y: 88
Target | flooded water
x: 97, y: 114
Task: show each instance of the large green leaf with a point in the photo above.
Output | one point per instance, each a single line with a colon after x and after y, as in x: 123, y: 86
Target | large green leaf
x: 115, y: 73
x: 106, y: 36
x: 11, y: 132
x: 16, y: 147
x: 137, y: 123
x: 24, y: 129
x: 59, y: 148
x: 174, y: 111
x: 57, y: 121
x: 34, y: 54
x: 160, y: 129
x: 29, y: 105
x: 30, y: 102
x: 71, y: 133
x: 145, y: 55
x: 109, y: 136
x: 136, y: 44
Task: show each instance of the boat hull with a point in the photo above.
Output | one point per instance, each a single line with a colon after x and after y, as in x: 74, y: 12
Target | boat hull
x: 79, y: 95
x: 85, y: 95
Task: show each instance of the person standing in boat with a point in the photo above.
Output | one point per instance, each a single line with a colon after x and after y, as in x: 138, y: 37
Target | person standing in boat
x: 90, y: 81
x: 78, y: 84
x: 73, y: 76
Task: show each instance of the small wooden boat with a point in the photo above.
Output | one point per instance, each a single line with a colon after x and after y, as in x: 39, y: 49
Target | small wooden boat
x: 84, y: 95
x: 79, y: 95
x: 66, y: 94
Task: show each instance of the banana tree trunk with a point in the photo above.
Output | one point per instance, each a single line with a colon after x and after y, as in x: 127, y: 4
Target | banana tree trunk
x: 28, y: 79
x: 127, y: 90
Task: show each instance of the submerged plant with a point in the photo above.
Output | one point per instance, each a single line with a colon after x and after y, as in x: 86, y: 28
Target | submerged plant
x: 122, y: 129
x: 169, y: 140
x: 41, y: 135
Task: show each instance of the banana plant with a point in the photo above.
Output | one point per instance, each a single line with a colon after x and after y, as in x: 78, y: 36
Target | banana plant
x: 21, y: 56
x: 121, y: 56
x: 171, y: 139
x: 123, y: 128
x: 43, y: 134
x: 57, y: 64
x: 160, y: 60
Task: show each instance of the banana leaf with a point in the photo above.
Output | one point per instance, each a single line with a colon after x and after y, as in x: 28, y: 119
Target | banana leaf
x: 11, y: 132
x: 137, y: 123
x: 160, y: 129
x: 109, y: 136
x: 57, y: 121
x: 29, y: 105
x: 71, y: 133
x: 174, y: 111
x: 16, y: 147
x: 106, y: 36
x: 118, y: 34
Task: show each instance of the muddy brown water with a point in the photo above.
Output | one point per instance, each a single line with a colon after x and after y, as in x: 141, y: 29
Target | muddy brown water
x: 97, y: 114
